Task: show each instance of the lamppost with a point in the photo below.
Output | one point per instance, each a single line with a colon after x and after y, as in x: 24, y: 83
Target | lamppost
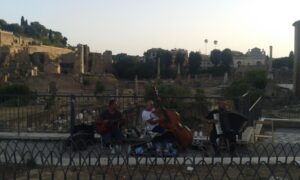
x: 206, y: 41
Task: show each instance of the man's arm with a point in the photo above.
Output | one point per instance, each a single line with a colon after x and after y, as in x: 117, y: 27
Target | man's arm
x: 151, y: 120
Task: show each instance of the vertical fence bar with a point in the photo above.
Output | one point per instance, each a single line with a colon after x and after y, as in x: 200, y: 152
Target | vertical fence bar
x: 18, y: 114
x: 72, y: 113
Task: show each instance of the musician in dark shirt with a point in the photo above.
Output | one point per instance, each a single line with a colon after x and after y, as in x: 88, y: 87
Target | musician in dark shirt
x: 221, y: 128
x: 112, y: 117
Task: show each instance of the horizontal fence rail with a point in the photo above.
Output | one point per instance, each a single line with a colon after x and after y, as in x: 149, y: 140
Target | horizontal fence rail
x: 55, y: 160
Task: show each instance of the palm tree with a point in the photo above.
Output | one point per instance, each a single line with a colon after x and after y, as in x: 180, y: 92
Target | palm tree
x: 215, y: 43
x: 206, y: 41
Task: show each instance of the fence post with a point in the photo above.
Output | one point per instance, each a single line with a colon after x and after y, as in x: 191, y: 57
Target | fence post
x: 244, y: 103
x: 18, y: 115
x: 72, y: 114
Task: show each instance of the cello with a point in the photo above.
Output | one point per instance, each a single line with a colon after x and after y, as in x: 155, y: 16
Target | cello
x: 171, y: 120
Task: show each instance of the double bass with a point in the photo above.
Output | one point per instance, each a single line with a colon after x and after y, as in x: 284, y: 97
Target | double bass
x: 171, y: 120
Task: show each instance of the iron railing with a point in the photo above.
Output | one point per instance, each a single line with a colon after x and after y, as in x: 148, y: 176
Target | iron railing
x: 59, y: 113
x: 39, y: 159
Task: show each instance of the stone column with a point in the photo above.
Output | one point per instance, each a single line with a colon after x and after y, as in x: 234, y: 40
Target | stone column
x: 297, y: 59
x: 178, y: 71
x: 158, y: 68
x: 270, y: 59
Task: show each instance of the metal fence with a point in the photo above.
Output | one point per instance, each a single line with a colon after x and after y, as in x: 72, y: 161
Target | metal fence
x: 47, y: 113
x: 61, y: 160
x: 281, y: 107
x: 73, y: 158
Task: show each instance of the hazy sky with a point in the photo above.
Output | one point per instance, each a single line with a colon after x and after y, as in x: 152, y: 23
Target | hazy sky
x: 133, y: 26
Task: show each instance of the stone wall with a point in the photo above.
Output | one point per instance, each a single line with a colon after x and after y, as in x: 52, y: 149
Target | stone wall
x: 52, y: 68
x: 95, y: 59
x: 6, y: 38
x: 107, y: 61
x: 9, y: 39
x: 53, y: 52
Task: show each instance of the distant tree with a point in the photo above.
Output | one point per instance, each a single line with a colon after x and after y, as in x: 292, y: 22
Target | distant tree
x: 14, y: 28
x: 50, y: 36
x: 227, y: 58
x: 284, y: 62
x: 22, y: 21
x: 3, y: 24
x: 195, y: 59
x: 126, y: 68
x: 64, y: 41
x: 291, y: 55
x: 37, y: 31
x: 180, y: 57
x: 146, y: 70
x: 216, y: 57
x: 165, y: 62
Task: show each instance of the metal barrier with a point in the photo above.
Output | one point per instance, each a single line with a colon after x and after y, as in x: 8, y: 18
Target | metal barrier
x: 59, y: 113
x: 37, y: 159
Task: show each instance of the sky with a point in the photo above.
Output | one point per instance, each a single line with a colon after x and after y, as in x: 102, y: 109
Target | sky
x: 133, y: 26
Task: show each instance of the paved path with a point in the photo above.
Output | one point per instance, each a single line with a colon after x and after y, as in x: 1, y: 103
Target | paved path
x: 284, y: 135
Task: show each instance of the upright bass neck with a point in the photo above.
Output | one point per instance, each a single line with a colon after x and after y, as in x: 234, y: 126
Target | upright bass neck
x: 158, y: 99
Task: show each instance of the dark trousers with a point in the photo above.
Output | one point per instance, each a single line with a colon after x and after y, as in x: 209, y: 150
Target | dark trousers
x: 158, y: 129
x: 229, y: 137
x: 115, y: 135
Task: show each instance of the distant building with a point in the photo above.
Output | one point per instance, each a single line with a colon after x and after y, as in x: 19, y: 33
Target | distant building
x: 254, y: 57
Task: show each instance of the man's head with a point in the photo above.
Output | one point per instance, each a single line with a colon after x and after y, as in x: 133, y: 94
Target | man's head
x: 222, y: 105
x: 112, y: 104
x: 150, y: 105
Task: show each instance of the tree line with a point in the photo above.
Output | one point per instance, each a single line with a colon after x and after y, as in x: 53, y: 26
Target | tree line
x: 35, y: 30
x: 127, y: 67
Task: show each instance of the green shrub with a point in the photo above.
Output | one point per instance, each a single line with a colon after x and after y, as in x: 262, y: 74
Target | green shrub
x: 16, y: 95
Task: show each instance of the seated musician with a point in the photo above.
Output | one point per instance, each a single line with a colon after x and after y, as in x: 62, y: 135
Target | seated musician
x: 221, y: 128
x: 151, y: 119
x: 112, y: 118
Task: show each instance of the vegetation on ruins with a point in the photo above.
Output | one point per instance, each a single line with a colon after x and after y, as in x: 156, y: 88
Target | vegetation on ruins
x: 99, y: 88
x: 253, y: 82
x: 284, y: 62
x: 35, y: 30
x: 168, y: 91
x: 15, y: 95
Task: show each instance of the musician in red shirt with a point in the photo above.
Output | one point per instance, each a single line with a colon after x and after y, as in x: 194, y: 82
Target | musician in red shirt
x: 109, y: 124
